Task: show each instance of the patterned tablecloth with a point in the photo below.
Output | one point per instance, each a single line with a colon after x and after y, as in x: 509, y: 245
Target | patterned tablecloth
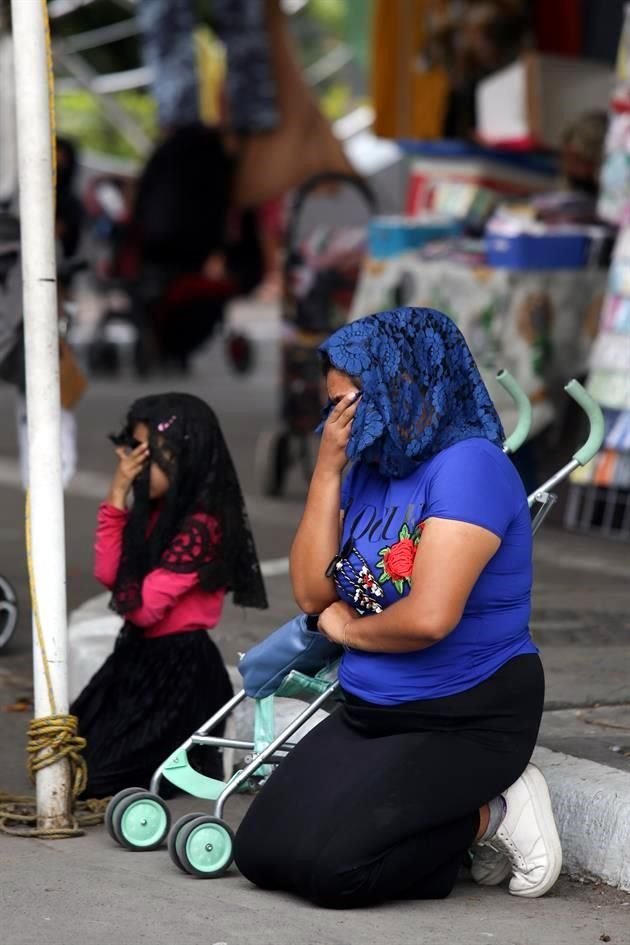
x: 537, y: 324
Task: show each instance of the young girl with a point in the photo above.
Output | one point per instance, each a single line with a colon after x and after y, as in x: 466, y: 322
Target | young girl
x: 168, y: 561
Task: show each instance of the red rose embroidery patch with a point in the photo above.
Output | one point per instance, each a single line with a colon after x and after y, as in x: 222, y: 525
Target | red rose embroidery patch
x: 397, y: 561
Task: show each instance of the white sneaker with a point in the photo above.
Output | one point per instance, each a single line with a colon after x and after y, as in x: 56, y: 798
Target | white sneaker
x: 528, y: 836
x: 489, y: 867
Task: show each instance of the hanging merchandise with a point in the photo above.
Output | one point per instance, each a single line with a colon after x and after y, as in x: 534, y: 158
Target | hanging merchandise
x: 615, y: 314
x: 623, y: 53
x: 611, y: 352
x: 251, y: 91
x: 211, y: 70
x: 302, y: 145
x: 166, y: 29
x: 619, y: 274
x: 614, y: 193
x: 614, y: 200
x: 600, y: 498
x: 618, y: 437
x: 610, y: 388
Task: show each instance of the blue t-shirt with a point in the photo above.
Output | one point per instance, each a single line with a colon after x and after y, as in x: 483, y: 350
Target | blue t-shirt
x: 471, y: 481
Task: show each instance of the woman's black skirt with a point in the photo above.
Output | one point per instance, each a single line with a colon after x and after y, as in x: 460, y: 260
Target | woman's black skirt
x: 147, y: 698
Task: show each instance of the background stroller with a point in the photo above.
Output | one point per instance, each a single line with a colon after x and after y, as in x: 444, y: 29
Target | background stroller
x: 295, y: 662
x: 320, y: 274
x: 156, y: 316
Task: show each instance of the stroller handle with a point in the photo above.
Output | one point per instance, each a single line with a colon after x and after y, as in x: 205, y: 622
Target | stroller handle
x: 334, y: 177
x: 304, y: 191
x: 597, y: 426
x: 524, y: 421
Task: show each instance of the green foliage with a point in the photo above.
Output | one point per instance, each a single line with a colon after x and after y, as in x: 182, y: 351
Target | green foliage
x: 329, y: 14
x: 335, y: 100
x: 79, y: 116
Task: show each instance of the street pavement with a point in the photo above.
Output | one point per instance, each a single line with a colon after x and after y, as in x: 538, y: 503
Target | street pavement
x: 88, y: 891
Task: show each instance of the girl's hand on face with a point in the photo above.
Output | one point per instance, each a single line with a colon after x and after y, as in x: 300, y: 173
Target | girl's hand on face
x: 336, y: 433
x: 130, y: 465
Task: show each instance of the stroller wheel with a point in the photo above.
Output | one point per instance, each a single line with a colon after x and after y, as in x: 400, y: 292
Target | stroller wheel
x: 171, y: 843
x: 204, y: 847
x: 271, y: 462
x: 8, y: 611
x: 109, y: 812
x: 141, y: 821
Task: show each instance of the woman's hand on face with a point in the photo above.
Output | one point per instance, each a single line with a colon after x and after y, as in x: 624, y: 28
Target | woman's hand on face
x: 333, y: 622
x: 130, y: 465
x: 336, y: 433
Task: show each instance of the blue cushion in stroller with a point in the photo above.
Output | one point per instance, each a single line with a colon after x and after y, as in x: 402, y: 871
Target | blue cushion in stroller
x: 298, y: 645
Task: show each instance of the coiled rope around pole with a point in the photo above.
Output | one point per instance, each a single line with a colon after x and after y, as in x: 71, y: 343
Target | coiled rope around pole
x: 18, y: 818
x: 50, y: 740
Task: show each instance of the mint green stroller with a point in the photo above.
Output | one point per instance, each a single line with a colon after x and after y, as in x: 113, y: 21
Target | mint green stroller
x: 294, y: 662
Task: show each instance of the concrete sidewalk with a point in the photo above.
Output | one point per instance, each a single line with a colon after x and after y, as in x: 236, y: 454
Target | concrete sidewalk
x: 588, y: 770
x: 584, y: 750
x: 591, y: 797
x: 585, y: 736
x: 88, y: 891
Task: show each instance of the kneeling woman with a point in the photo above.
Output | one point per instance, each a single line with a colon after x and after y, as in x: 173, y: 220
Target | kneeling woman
x: 420, y: 564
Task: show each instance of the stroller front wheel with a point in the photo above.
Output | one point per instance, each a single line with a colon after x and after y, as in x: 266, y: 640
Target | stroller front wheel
x: 204, y: 847
x: 111, y: 807
x: 141, y: 821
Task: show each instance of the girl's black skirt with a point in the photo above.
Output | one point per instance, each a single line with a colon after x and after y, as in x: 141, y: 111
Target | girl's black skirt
x: 144, y: 701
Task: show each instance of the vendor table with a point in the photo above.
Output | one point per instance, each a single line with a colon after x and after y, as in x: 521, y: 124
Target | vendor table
x: 537, y: 324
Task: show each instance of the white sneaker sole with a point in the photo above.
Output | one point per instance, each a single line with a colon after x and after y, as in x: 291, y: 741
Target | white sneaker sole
x: 541, y: 802
x: 492, y: 875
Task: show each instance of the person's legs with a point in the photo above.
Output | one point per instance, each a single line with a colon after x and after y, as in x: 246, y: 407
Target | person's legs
x: 144, y: 702
x: 525, y: 842
x: 366, y: 809
x: 348, y: 821
x: 186, y: 327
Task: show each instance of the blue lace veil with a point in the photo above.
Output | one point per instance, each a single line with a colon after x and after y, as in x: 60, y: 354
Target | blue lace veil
x: 422, y: 390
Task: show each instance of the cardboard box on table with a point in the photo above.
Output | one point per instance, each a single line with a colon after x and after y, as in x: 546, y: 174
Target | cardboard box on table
x: 530, y: 103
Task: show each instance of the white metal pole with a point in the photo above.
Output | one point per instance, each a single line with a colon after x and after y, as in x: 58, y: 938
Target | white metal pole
x: 42, y: 387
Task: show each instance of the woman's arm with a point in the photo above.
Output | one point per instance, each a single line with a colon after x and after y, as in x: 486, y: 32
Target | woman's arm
x: 450, y: 558
x: 317, y: 538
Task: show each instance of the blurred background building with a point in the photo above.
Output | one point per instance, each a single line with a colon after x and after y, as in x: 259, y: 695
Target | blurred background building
x: 475, y: 158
